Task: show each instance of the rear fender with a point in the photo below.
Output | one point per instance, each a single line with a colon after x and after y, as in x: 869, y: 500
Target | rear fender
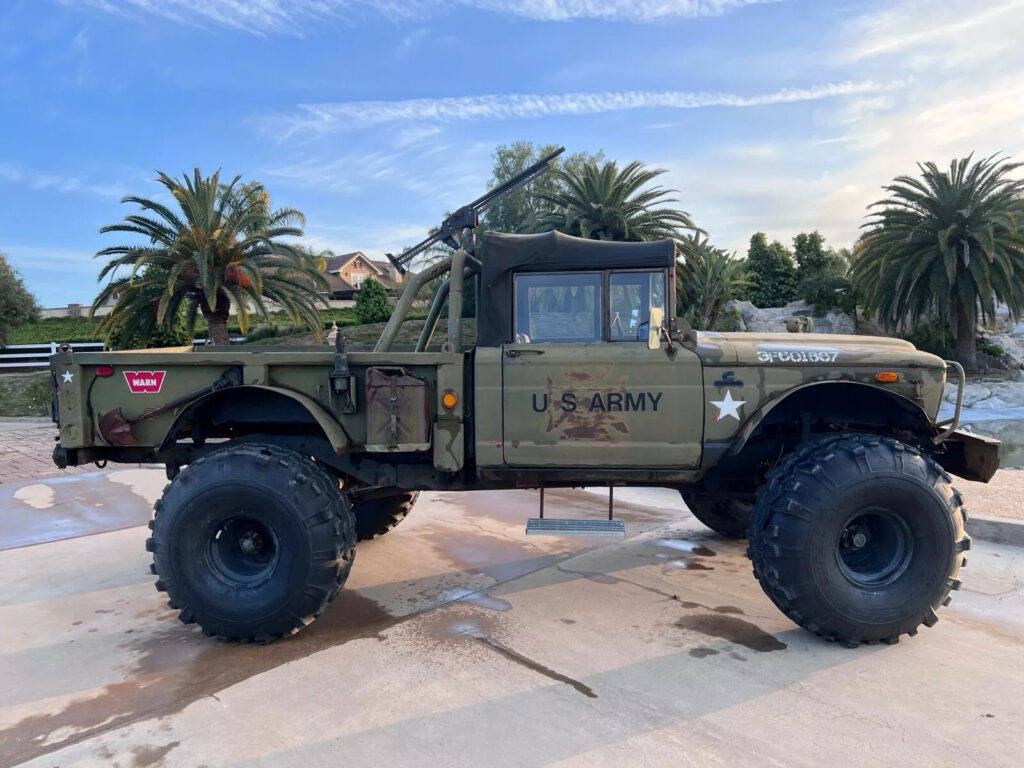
x: 332, y: 430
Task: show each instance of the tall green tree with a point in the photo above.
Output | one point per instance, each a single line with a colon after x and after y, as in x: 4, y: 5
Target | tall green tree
x: 17, y: 305
x: 221, y: 250
x: 810, y: 254
x: 706, y: 278
x: 822, y: 274
x: 606, y: 202
x: 770, y: 268
x: 947, y: 243
x: 519, y: 210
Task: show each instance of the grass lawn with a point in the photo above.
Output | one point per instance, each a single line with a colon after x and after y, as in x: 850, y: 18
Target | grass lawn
x: 25, y: 394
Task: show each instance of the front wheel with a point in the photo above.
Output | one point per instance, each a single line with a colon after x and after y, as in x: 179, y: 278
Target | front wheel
x: 858, y: 538
x: 251, y: 542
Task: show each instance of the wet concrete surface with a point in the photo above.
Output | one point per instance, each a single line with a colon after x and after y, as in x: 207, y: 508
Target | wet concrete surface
x: 37, y: 511
x: 460, y: 641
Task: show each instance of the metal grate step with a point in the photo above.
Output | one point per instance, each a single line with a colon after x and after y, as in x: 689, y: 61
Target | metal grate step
x: 553, y: 526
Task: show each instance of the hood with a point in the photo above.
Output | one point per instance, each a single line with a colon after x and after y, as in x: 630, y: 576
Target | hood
x: 811, y: 349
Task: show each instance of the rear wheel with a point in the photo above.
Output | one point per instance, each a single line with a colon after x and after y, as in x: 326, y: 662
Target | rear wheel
x: 251, y: 542
x: 858, y: 538
x: 722, y: 514
x: 376, y: 517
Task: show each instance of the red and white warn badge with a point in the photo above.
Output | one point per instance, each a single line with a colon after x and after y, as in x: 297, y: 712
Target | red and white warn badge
x: 141, y: 382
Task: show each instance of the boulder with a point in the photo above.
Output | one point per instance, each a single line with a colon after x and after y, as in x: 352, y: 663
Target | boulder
x: 776, y: 319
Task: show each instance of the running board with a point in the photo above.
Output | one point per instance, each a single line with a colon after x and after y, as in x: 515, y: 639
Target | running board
x: 553, y: 526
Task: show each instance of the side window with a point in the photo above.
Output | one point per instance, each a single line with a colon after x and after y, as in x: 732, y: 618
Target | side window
x: 631, y: 298
x: 558, y: 307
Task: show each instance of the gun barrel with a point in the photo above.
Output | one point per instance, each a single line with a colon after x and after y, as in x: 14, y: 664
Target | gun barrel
x: 461, y: 219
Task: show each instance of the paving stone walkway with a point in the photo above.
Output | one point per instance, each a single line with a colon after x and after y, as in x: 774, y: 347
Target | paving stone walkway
x: 26, y: 449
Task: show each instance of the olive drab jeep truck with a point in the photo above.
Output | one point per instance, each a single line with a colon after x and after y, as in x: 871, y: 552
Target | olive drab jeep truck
x: 824, y: 450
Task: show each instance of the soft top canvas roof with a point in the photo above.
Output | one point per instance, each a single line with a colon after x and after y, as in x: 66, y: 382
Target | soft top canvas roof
x: 549, y: 252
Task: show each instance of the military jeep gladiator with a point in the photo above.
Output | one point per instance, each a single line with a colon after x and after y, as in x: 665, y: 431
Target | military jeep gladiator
x: 824, y: 449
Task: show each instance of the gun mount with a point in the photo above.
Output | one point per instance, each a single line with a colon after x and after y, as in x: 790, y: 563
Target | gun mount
x: 468, y: 216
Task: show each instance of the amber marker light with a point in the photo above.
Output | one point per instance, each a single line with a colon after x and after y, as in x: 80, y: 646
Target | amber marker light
x: 449, y: 400
x: 887, y: 377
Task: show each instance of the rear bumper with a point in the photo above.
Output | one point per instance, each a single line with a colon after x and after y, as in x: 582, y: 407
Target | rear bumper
x: 970, y: 456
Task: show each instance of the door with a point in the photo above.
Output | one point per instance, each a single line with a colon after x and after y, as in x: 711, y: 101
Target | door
x: 581, y: 388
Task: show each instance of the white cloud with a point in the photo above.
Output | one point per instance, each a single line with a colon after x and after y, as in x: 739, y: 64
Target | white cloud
x: 959, y: 99
x: 42, y: 181
x: 290, y: 16
x: 362, y: 114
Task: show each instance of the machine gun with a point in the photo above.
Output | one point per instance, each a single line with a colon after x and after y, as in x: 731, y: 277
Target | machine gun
x: 468, y: 216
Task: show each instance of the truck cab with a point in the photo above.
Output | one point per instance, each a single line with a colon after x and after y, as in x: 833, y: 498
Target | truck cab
x: 564, y: 374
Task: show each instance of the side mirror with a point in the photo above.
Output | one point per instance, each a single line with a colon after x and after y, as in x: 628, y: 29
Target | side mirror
x: 654, y: 329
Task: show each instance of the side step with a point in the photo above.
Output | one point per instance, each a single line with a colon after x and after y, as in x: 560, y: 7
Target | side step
x: 553, y: 526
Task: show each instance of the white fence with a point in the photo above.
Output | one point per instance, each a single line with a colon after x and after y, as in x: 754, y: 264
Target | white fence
x: 38, y: 355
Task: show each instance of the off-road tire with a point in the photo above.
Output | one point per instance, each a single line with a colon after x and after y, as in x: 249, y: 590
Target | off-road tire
x: 376, y: 517
x: 725, y: 516
x: 888, y: 493
x: 282, y: 507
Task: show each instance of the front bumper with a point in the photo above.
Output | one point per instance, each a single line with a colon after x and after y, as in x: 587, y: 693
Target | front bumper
x: 970, y: 456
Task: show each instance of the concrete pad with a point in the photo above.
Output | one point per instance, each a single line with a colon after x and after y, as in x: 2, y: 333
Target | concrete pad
x: 460, y: 641
x: 36, y: 511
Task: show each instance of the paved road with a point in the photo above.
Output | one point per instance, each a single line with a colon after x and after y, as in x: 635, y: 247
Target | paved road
x: 461, y: 642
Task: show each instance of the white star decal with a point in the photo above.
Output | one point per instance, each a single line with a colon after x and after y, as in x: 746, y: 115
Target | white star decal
x: 728, y: 407
x: 68, y: 376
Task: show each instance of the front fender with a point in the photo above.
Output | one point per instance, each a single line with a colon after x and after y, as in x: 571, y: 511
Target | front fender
x: 334, y: 432
x: 912, y: 409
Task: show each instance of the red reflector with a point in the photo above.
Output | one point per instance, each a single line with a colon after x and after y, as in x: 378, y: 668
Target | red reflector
x: 104, y: 370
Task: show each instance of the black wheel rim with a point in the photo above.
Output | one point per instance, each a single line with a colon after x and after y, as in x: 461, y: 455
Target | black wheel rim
x: 874, y: 547
x: 243, y: 551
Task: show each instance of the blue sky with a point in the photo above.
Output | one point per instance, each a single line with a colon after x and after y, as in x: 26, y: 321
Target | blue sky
x: 375, y: 116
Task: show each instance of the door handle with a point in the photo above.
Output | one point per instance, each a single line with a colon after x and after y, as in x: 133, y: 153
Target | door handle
x: 518, y: 352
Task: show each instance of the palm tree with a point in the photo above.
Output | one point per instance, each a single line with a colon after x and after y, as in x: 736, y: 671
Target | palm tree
x: 947, y: 244
x: 707, y: 277
x: 604, y: 202
x: 221, y: 252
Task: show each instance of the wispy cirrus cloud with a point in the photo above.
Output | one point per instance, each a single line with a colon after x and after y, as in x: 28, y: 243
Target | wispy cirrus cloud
x: 291, y: 16
x: 43, y: 181
x: 340, y: 116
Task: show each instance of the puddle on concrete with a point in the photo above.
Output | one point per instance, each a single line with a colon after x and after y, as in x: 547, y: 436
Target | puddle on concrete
x: 471, y: 628
x: 732, y: 629
x: 67, y: 507
x: 147, y: 483
x: 696, y: 564
x: 716, y: 609
x: 703, y: 653
x: 500, y: 558
x: 37, y: 495
x: 534, y: 666
x: 173, y: 667
x: 151, y: 756
x: 683, y: 545
x: 475, y: 597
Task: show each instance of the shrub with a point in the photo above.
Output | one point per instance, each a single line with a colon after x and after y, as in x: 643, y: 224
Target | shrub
x: 372, y: 302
